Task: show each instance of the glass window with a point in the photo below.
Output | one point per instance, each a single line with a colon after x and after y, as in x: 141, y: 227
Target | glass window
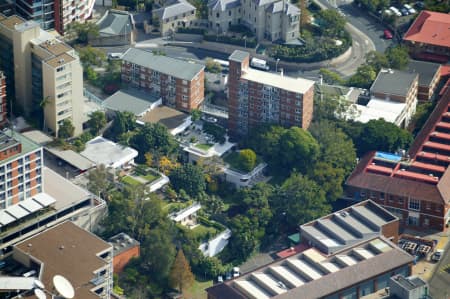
x: 414, y: 204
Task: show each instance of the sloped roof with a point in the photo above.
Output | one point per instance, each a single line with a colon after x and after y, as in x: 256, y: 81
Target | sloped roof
x: 173, y: 10
x: 114, y: 24
x: 393, y: 82
x: 430, y: 28
x: 223, y: 5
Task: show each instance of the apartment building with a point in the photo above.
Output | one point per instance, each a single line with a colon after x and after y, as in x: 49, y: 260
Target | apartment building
x: 429, y: 77
x: 256, y: 97
x: 353, y: 272
x: 40, y: 68
x: 174, y: 14
x: 125, y: 249
x: 268, y: 19
x: 427, y: 38
x: 395, y: 86
x: 55, y: 14
x: 415, y: 186
x: 3, y: 107
x: 180, y: 84
x: 20, y: 168
x: 82, y: 258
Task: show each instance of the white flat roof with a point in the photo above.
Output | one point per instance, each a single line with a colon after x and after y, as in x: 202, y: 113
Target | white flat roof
x: 73, y: 158
x: 298, y: 85
x: 177, y: 217
x: 376, y: 109
x: 17, y: 211
x: 44, y: 199
x: 287, y: 274
x: 30, y: 205
x: 251, y: 289
x: 5, y: 218
x: 104, y: 151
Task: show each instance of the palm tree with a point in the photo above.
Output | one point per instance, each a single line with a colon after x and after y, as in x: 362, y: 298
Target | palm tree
x: 43, y: 104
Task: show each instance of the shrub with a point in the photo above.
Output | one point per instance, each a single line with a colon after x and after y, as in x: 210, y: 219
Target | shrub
x: 200, y: 31
x: 249, y: 42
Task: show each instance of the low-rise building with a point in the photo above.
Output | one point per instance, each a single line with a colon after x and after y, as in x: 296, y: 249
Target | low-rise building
x: 271, y: 19
x: 429, y: 76
x: 427, y: 38
x: 116, y: 28
x: 82, y: 258
x: 187, y: 216
x: 179, y: 83
x: 398, y: 87
x: 353, y: 272
x: 125, y: 248
x: 174, y: 14
x: 257, y: 97
x: 413, y: 186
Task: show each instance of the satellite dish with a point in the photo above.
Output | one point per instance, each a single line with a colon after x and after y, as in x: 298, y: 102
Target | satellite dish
x: 63, y: 287
x: 40, y: 294
x: 38, y: 284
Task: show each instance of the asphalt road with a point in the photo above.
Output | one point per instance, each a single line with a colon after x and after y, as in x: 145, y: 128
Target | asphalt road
x: 440, y: 281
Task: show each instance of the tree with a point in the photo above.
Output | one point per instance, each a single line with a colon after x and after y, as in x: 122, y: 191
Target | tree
x: 329, y: 178
x: 304, y: 13
x: 365, y: 75
x: 91, y: 75
x: 247, y: 159
x: 45, y: 101
x: 66, y: 129
x: 377, y: 60
x: 165, y: 165
x: 90, y: 56
x: 332, y: 22
x: 123, y: 122
x: 98, y: 180
x: 195, y: 115
x: 382, y: 136
x: 212, y: 66
x: 189, y: 178
x: 398, y: 57
x: 97, y: 120
x: 82, y: 31
x: 330, y: 77
x: 298, y: 201
x: 180, y: 274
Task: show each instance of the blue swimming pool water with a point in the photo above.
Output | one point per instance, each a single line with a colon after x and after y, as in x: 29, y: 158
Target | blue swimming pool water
x: 388, y: 156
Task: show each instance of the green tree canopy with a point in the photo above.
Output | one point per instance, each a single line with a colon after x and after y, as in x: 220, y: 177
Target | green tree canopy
x: 212, y: 66
x: 180, y: 274
x: 90, y: 56
x: 331, y: 77
x: 96, y: 122
x: 66, y: 129
x: 82, y: 31
x: 364, y: 77
x: 98, y: 181
x: 398, y: 57
x: 329, y: 178
x: 377, y: 60
x: 332, y: 23
x: 123, y: 122
x: 188, y: 177
x: 247, y: 158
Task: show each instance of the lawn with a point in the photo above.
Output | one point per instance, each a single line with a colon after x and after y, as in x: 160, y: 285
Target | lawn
x: 149, y: 177
x: 197, y: 290
x: 201, y: 231
x: 203, y: 146
x: 130, y: 181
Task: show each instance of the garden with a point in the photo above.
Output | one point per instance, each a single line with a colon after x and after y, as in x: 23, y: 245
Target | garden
x: 141, y: 175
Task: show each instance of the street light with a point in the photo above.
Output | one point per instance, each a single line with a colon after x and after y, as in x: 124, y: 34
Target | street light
x: 276, y: 65
x: 245, y: 41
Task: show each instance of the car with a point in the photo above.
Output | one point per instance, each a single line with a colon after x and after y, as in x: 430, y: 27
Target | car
x: 404, y: 11
x: 236, y: 272
x: 115, y: 56
x: 29, y: 273
x: 387, y: 34
x: 395, y: 11
x: 220, y: 279
x: 436, y: 257
x: 410, y: 9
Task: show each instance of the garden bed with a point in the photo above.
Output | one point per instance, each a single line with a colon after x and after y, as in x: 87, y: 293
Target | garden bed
x: 203, y: 146
x: 128, y: 180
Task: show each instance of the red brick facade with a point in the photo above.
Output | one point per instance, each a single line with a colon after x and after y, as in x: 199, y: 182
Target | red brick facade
x: 123, y: 258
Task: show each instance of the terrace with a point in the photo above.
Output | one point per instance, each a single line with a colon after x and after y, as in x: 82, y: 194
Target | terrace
x: 141, y: 175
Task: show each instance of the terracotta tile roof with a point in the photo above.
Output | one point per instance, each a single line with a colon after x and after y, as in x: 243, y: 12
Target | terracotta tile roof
x: 430, y: 28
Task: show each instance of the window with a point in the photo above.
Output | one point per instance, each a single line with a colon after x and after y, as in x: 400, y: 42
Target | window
x: 229, y: 13
x: 414, y: 204
x: 217, y: 15
x: 298, y: 103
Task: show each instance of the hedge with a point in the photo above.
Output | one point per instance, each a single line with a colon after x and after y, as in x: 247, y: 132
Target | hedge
x: 251, y: 42
x: 200, y: 31
x: 205, y: 221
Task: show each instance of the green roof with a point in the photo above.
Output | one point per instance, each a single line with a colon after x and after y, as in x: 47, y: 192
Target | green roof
x: 295, y: 238
x: 27, y: 145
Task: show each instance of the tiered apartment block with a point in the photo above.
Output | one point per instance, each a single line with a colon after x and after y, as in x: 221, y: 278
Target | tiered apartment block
x: 38, y: 68
x: 20, y: 168
x: 268, y: 19
x: 415, y: 186
x: 68, y: 250
x: 55, y: 14
x: 3, y: 108
x: 179, y: 83
x: 256, y: 97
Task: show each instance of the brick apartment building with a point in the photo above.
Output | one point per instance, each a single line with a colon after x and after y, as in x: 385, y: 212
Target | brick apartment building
x: 55, y: 14
x: 428, y: 37
x: 179, y: 83
x: 20, y: 168
x: 415, y: 186
x: 124, y: 249
x: 38, y: 66
x: 256, y: 97
x: 3, y: 108
x: 429, y: 77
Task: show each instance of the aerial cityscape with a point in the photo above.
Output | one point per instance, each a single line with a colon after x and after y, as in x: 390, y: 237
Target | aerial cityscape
x: 225, y: 149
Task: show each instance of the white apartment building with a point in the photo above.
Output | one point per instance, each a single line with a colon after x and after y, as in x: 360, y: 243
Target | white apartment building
x: 40, y: 68
x: 273, y: 20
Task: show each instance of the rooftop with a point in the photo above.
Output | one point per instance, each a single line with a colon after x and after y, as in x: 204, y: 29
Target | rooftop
x: 346, y: 227
x: 223, y: 5
x: 38, y: 137
x: 122, y: 242
x: 59, y: 60
x: 131, y: 100
x: 239, y: 56
x: 12, y: 21
x: 408, y: 283
x: 115, y: 22
x: 310, y: 274
x: 175, y: 9
x: 73, y: 158
x: 169, y: 117
x: 297, y: 85
x: 350, y: 94
x: 171, y: 66
x: 376, y: 109
x: 103, y: 151
x: 393, y: 82
x: 430, y: 28
x: 67, y: 250
x: 11, y: 138
x: 423, y: 173
x: 55, y: 47
x: 426, y: 70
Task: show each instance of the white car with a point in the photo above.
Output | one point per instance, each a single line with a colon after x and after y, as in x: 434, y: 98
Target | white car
x: 437, y: 255
x: 410, y: 9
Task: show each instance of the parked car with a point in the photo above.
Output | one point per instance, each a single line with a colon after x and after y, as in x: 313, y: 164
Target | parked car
x: 115, y: 56
x: 220, y: 279
x: 437, y: 255
x: 404, y: 11
x: 236, y: 272
x: 395, y: 11
x: 410, y: 9
x: 387, y: 34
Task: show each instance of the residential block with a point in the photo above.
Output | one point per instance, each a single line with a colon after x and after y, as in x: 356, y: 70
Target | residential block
x: 256, y: 97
